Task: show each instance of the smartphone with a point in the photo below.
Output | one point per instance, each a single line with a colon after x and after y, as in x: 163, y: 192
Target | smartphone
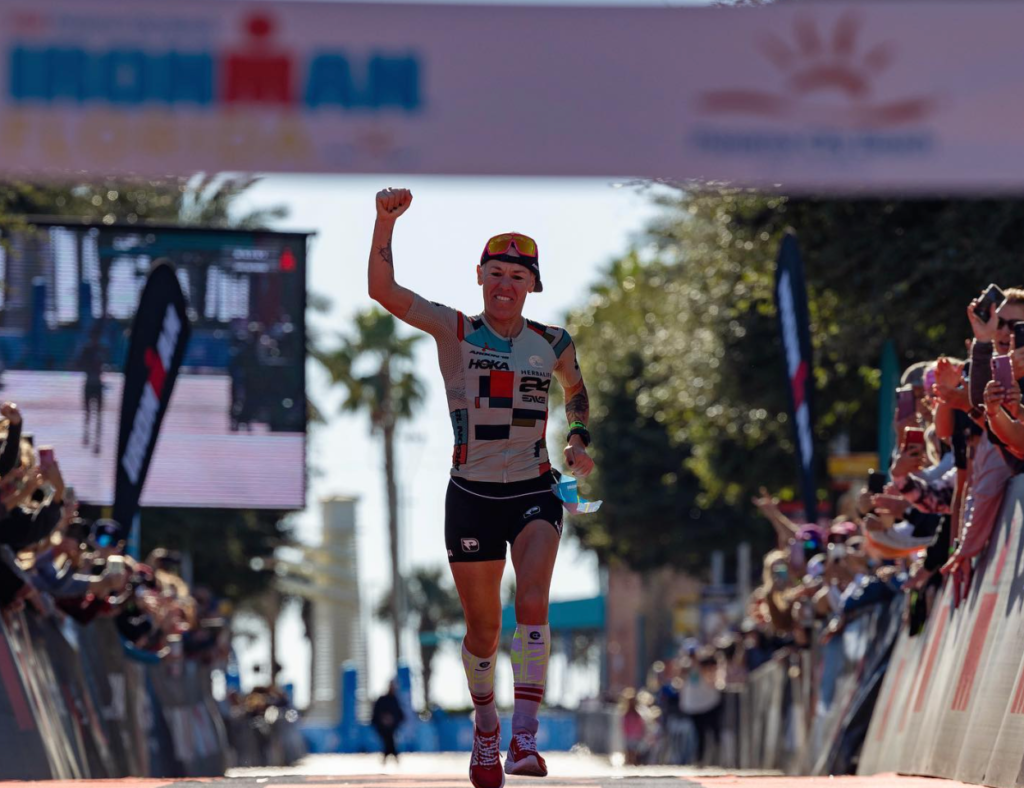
x: 929, y: 380
x: 913, y: 436
x: 906, y: 405
x: 115, y: 565
x: 876, y: 482
x: 991, y: 297
x: 45, y: 457
x: 1002, y: 371
x: 796, y: 555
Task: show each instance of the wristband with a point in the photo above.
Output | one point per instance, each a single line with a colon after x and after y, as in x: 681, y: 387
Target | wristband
x: 579, y: 428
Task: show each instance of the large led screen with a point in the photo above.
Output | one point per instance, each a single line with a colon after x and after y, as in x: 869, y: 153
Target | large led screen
x: 234, y: 435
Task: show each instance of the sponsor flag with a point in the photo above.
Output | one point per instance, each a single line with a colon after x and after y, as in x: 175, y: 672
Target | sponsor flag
x: 794, y: 326
x: 890, y: 367
x: 159, y: 336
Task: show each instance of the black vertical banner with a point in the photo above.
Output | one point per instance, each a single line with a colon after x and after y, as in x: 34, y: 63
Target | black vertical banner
x: 160, y: 334
x: 794, y: 326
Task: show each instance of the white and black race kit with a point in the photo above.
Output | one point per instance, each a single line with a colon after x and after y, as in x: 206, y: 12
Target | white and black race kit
x: 497, y: 392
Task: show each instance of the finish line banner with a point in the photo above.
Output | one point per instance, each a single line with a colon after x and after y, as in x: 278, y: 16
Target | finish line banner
x: 817, y: 97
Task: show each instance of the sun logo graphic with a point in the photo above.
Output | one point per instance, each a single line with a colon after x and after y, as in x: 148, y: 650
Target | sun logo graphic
x: 826, y: 78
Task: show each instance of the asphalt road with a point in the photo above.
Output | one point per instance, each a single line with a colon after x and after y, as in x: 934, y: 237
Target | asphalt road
x: 449, y: 771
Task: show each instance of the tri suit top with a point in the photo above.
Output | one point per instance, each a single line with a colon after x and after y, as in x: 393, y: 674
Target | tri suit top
x: 497, y: 390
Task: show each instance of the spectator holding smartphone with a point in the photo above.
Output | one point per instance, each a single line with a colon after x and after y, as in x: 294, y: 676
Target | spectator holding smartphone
x: 991, y: 337
x: 922, y: 487
x: 988, y: 470
x: 1002, y: 408
x: 31, y: 514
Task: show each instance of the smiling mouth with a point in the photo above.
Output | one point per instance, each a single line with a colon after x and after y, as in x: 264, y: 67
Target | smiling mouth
x: 502, y: 298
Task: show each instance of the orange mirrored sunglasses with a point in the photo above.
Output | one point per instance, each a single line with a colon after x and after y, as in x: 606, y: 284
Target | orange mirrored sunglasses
x: 500, y: 244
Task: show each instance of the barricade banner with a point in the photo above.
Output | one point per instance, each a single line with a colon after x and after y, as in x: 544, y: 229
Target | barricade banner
x: 950, y: 714
x: 846, y: 724
x: 108, y: 675
x: 765, y: 690
x: 75, y: 705
x: 198, y: 743
x: 808, y: 711
x: 25, y: 753
x: 951, y: 705
x: 883, y: 742
x: 998, y: 668
x: 163, y: 761
x: 48, y: 706
x: 935, y: 696
x: 78, y: 711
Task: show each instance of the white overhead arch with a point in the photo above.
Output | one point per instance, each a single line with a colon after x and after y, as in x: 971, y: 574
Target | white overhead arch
x: 879, y: 97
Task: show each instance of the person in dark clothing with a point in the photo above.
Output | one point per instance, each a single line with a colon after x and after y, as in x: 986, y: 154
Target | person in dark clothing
x: 387, y: 717
x: 90, y: 361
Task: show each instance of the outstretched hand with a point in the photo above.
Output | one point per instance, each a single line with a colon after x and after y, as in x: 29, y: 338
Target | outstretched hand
x: 765, y: 501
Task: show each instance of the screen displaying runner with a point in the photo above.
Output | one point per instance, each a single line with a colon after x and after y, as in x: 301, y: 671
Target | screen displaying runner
x: 234, y: 435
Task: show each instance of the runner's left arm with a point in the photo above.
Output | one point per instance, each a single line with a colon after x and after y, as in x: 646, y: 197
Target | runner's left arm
x: 577, y: 407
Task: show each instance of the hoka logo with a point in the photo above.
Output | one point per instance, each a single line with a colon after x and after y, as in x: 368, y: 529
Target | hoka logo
x: 488, y: 364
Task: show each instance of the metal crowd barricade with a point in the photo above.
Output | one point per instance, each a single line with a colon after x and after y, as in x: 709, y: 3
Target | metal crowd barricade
x: 74, y: 704
x: 806, y: 710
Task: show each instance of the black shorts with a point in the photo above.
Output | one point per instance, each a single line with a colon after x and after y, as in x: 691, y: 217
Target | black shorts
x: 93, y: 392
x: 480, y: 517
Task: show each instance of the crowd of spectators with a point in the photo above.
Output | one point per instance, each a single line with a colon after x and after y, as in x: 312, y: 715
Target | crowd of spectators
x: 915, y: 525
x: 58, y: 565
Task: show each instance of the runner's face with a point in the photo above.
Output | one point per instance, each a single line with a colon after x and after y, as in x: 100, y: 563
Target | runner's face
x: 506, y: 286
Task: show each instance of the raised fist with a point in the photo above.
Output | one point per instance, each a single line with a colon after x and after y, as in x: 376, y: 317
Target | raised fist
x: 392, y: 203
x: 10, y: 412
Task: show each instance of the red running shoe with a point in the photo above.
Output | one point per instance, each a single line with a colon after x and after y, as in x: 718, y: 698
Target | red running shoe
x: 485, y: 763
x: 523, y: 757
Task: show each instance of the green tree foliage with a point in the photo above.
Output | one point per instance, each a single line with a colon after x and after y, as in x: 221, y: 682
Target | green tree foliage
x: 635, y: 339
x: 691, y: 400
x: 223, y: 544
x: 207, y: 200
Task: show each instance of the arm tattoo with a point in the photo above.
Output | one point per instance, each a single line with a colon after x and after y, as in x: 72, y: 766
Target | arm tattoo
x: 578, y: 408
x: 385, y: 252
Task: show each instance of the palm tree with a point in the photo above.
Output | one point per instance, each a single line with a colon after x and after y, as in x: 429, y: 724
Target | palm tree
x: 388, y: 392
x: 435, y: 604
